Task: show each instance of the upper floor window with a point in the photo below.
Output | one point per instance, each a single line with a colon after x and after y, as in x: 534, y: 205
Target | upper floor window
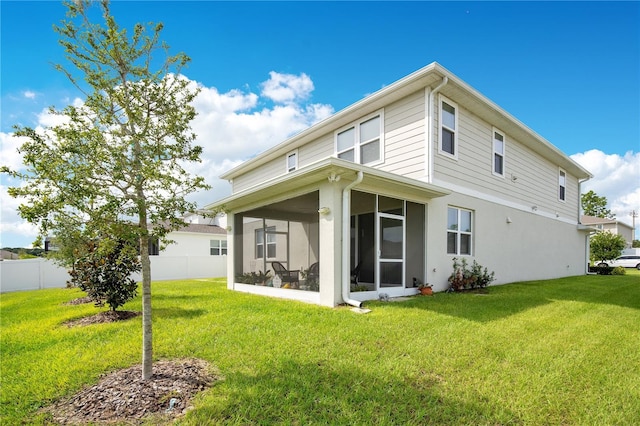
x: 459, y: 231
x: 448, y: 130
x: 292, y: 161
x: 498, y: 153
x: 218, y: 247
x: 362, y: 142
x: 562, y: 185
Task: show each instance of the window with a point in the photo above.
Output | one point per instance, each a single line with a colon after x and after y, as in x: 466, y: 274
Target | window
x: 154, y: 246
x: 448, y: 127
x: 270, y: 242
x: 218, y: 247
x: 562, y: 185
x: 292, y: 161
x: 459, y: 231
x: 361, y: 143
x: 498, y: 153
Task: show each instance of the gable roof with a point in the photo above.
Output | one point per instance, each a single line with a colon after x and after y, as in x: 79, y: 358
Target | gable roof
x: 200, y: 228
x: 431, y: 75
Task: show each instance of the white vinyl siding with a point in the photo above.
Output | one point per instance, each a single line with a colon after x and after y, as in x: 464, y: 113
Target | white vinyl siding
x: 499, y: 147
x: 530, y: 179
x: 404, y: 138
x: 448, y: 127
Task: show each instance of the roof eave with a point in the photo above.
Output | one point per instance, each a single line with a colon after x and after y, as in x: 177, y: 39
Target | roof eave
x: 284, y: 185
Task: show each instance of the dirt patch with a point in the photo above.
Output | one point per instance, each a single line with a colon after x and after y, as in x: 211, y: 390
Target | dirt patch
x: 103, y: 317
x: 122, y: 397
x: 79, y: 301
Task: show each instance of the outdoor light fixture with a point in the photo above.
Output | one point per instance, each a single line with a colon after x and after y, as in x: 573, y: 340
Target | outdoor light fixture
x: 509, y: 219
x: 324, y: 211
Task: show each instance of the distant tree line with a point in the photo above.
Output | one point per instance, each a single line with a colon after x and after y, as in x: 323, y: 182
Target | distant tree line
x: 26, y: 253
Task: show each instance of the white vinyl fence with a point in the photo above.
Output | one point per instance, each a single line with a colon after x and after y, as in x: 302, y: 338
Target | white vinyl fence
x: 33, y: 274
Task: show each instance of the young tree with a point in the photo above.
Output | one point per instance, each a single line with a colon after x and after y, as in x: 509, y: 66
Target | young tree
x: 117, y: 160
x: 606, y: 246
x: 594, y: 205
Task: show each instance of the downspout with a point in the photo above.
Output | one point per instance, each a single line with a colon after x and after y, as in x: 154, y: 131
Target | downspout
x: 346, y: 221
x: 430, y: 111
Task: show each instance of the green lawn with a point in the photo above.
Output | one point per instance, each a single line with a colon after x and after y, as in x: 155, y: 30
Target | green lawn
x: 563, y: 351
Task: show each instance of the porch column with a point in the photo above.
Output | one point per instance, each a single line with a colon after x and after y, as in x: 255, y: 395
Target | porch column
x: 232, y: 230
x: 330, y: 243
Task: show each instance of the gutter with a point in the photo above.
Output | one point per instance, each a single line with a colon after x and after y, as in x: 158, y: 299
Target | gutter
x: 346, y: 220
x: 430, y: 110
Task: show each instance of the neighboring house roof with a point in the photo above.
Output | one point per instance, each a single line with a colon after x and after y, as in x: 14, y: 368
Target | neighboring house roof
x: 430, y: 75
x: 592, y: 220
x: 203, y: 229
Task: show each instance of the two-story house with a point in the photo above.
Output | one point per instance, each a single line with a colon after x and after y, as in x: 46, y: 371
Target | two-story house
x: 393, y: 188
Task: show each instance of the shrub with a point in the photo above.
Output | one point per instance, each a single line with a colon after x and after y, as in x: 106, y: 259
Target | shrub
x: 618, y: 270
x: 465, y: 278
x: 604, y: 270
x: 104, y: 273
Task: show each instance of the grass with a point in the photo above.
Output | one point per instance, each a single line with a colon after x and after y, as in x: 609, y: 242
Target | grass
x: 563, y: 351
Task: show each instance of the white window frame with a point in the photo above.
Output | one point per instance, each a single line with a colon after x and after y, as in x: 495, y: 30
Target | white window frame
x: 291, y: 168
x: 218, y: 247
x: 562, y: 185
x: 357, y: 143
x: 503, y: 154
x: 441, y: 125
x: 268, y: 239
x: 459, y: 232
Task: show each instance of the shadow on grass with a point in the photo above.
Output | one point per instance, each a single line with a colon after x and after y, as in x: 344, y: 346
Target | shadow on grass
x: 292, y: 392
x: 176, y: 312
x: 503, y: 301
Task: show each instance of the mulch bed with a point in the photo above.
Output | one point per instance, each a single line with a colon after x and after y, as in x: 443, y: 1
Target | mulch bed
x: 103, y: 317
x: 79, y: 301
x: 122, y: 397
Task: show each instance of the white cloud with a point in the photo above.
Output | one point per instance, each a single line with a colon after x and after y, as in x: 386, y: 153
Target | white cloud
x: 9, y: 154
x: 231, y: 127
x: 29, y: 94
x: 287, y: 88
x: 12, y: 225
x: 616, y: 177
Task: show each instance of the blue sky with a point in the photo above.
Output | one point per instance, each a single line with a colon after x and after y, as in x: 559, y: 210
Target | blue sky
x: 568, y: 70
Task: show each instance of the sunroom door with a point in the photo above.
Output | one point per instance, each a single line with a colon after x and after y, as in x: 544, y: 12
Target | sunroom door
x: 391, y: 252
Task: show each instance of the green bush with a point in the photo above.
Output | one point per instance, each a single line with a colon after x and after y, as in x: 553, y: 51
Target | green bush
x: 618, y: 270
x: 465, y: 278
x: 104, y: 273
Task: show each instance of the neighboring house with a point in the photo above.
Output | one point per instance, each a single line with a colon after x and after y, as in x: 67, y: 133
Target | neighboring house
x: 397, y: 185
x: 8, y: 255
x: 201, y: 237
x: 611, y: 225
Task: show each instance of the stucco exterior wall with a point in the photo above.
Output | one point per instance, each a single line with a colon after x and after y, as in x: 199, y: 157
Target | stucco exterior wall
x: 529, y: 247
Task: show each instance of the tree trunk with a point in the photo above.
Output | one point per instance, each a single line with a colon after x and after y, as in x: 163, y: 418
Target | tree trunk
x: 147, y: 330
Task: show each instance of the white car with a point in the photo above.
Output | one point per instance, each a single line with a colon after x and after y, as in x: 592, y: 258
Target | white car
x: 626, y: 261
